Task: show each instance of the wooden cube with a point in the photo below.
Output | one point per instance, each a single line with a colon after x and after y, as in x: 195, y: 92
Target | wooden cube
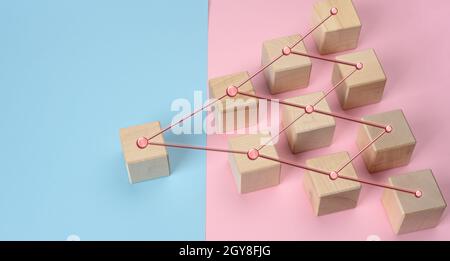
x: 408, y: 213
x: 364, y: 86
x: 253, y: 175
x: 144, y: 164
x: 311, y: 131
x: 393, y: 149
x: 233, y: 113
x: 326, y: 195
x: 288, y: 73
x: 341, y: 31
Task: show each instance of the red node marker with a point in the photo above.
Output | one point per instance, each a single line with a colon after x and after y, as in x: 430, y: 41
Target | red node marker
x: 359, y: 66
x: 333, y: 175
x: 388, y: 128
x: 418, y: 194
x: 333, y: 11
x: 253, y: 154
x: 232, y: 91
x: 309, y: 109
x: 286, y: 50
x: 142, y: 142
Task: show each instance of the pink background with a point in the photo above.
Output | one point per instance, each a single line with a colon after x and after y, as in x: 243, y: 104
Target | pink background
x: 411, y: 39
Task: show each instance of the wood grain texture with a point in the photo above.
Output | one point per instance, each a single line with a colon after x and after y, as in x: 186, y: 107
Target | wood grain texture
x: 338, y: 33
x: 393, y: 149
x: 144, y: 164
x: 233, y: 113
x: 329, y: 196
x: 405, y: 212
x: 253, y: 175
x: 311, y: 131
x: 364, y: 86
x: 290, y: 72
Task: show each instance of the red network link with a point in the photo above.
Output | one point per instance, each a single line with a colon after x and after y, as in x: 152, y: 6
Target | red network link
x: 254, y: 153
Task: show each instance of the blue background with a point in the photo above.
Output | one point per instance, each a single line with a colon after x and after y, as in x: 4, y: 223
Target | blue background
x: 71, y: 74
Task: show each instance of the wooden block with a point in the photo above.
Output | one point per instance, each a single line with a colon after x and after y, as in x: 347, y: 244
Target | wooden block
x: 392, y: 150
x: 341, y: 31
x: 233, y: 113
x: 407, y: 213
x: 364, y: 86
x: 144, y: 164
x: 326, y: 195
x: 311, y: 131
x: 290, y: 72
x: 253, y: 175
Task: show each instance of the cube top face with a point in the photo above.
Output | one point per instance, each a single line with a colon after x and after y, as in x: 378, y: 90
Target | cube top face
x: 131, y: 152
x: 308, y: 122
x: 372, y: 71
x: 346, y: 18
x: 218, y: 87
x: 250, y: 141
x: 322, y: 183
x: 400, y: 136
x: 274, y: 47
x: 424, y: 181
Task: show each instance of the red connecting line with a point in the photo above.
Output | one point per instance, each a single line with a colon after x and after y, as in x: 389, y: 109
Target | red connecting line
x: 253, y: 154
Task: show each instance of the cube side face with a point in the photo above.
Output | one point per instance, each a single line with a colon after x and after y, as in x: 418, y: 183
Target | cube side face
x: 235, y: 172
x: 364, y: 95
x: 148, y: 163
x: 256, y: 174
x: 314, y: 139
x: 391, y: 158
x: 393, y: 149
x: 290, y: 72
x: 345, y: 200
x: 311, y: 192
x: 369, y: 155
x: 147, y: 170
x: 311, y: 131
x: 340, y: 32
x: 422, y: 220
x: 290, y: 79
x: 227, y: 111
x: 237, y: 116
x: 339, y: 41
x: 418, y: 213
x: 393, y: 210
x: 260, y: 179
x: 364, y: 86
x: 342, y: 89
x: 332, y: 196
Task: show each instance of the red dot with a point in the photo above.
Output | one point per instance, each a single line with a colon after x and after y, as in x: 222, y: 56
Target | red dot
x: 286, y: 50
x: 232, y: 91
x: 388, y: 128
x: 253, y: 154
x: 333, y: 11
x: 333, y: 175
x: 418, y: 194
x: 142, y: 142
x: 359, y: 66
x: 309, y: 109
